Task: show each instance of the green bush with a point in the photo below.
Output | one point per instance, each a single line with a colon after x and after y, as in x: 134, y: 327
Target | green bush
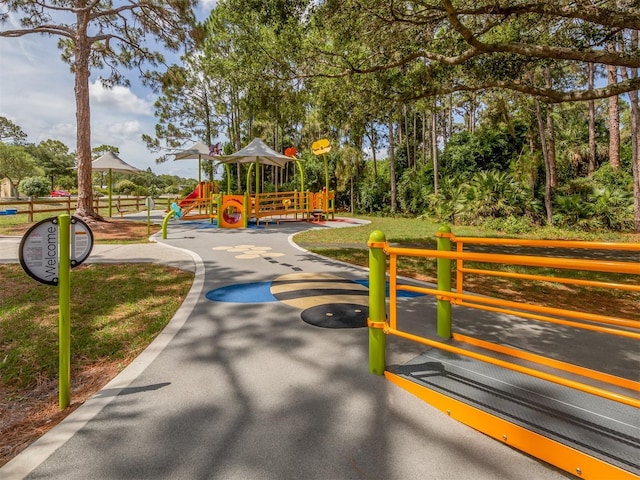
x: 125, y: 187
x: 35, y: 186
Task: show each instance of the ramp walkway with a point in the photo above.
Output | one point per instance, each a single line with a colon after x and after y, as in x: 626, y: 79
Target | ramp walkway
x: 239, y: 386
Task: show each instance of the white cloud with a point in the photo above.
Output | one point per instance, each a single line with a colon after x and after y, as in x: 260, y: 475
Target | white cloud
x: 36, y: 93
x: 119, y: 98
x: 207, y: 5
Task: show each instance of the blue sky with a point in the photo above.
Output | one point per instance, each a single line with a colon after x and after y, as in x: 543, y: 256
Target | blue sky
x: 36, y: 93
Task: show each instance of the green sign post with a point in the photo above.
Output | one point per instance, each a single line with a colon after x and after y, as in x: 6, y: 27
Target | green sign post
x: 48, y: 252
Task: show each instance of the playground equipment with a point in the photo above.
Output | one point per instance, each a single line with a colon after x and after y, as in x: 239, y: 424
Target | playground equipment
x: 198, y: 203
x: 559, y: 409
x: 236, y: 211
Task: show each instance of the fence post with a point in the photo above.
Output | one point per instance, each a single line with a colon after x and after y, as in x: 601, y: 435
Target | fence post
x: 444, y: 282
x: 377, y: 302
x: 31, y: 209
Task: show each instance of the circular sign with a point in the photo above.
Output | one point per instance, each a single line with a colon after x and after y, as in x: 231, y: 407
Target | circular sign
x: 38, y: 252
x: 81, y: 241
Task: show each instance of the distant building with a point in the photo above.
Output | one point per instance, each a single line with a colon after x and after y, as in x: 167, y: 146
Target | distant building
x: 7, y: 190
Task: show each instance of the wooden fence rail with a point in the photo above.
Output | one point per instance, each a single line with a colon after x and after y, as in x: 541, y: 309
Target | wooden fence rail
x: 32, y: 206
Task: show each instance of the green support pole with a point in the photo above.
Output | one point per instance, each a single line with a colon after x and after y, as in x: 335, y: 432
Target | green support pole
x: 257, y: 175
x: 444, y: 282
x: 64, y: 323
x: 226, y: 167
x: 301, y: 175
x: 248, y: 176
x: 109, y: 190
x: 148, y: 219
x: 377, y: 303
x: 165, y: 222
x: 245, y: 217
x: 219, y: 211
x: 326, y: 185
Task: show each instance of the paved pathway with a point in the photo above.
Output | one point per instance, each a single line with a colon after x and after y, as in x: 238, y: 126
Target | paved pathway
x: 242, y: 390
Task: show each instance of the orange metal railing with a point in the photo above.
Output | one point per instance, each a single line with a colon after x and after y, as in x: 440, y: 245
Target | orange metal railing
x: 605, y: 324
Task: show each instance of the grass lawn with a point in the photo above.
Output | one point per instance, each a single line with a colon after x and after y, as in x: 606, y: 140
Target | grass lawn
x: 117, y: 310
x: 350, y: 245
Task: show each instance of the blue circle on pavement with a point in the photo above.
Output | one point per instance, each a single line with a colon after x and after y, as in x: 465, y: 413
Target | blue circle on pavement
x: 258, y: 292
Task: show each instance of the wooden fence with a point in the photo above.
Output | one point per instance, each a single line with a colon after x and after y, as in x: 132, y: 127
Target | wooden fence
x: 32, y: 206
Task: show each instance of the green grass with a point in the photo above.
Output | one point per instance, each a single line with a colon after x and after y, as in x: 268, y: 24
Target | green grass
x: 418, y: 231
x: 116, y: 312
x: 350, y: 245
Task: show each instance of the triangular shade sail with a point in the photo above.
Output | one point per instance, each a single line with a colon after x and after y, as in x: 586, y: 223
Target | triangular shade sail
x: 197, y: 151
x: 257, y: 151
x: 111, y: 161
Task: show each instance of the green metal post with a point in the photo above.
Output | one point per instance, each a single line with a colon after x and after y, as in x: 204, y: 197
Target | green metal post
x: 164, y: 223
x: 326, y: 185
x: 301, y: 175
x: 245, y: 217
x: 219, y: 211
x: 64, y: 323
x: 248, y: 176
x: 444, y: 282
x: 377, y: 303
x: 109, y: 190
x: 149, y: 219
x: 226, y: 167
x: 257, y: 175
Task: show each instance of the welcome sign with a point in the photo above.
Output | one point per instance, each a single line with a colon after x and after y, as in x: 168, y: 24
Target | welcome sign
x: 39, y: 248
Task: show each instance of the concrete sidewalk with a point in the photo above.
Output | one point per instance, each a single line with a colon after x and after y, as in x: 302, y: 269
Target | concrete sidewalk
x: 247, y: 390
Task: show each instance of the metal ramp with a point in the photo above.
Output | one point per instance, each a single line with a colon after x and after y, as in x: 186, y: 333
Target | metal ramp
x: 589, y: 436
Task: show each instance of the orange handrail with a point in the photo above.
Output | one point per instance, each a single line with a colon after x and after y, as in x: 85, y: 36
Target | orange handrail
x: 600, y: 323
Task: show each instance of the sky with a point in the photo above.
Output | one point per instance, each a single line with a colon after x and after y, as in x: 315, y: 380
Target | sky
x: 36, y: 93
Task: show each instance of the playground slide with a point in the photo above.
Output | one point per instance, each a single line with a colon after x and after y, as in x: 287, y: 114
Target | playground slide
x: 186, y: 200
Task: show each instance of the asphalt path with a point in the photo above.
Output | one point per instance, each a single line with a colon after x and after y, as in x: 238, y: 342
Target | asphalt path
x: 247, y: 390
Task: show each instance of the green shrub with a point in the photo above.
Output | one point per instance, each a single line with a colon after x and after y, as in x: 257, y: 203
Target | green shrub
x: 35, y: 186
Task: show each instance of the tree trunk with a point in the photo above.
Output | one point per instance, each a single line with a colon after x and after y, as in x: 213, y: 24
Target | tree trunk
x: 352, y: 196
x: 406, y: 135
x: 547, y: 169
x: 392, y: 166
x: 635, y: 141
x: 415, y: 139
x: 82, y: 50
x: 550, y: 135
x: 614, y: 122
x: 434, y: 152
x: 591, y: 167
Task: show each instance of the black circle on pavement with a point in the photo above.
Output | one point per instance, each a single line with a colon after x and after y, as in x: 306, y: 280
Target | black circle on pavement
x: 336, y: 315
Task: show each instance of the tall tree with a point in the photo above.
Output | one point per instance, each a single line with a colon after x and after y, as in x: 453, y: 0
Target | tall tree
x: 9, y: 131
x: 16, y: 164
x: 54, y: 158
x: 101, y: 34
x: 451, y: 46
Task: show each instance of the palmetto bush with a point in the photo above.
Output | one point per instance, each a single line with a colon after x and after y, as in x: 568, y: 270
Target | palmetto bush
x: 414, y: 189
x: 488, y: 194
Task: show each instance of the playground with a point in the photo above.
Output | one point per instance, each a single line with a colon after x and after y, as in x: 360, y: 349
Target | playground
x: 227, y: 210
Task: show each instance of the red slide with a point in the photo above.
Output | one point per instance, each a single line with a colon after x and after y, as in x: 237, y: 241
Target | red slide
x: 191, y: 196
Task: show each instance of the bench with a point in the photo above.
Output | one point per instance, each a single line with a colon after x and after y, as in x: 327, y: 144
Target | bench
x: 121, y: 210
